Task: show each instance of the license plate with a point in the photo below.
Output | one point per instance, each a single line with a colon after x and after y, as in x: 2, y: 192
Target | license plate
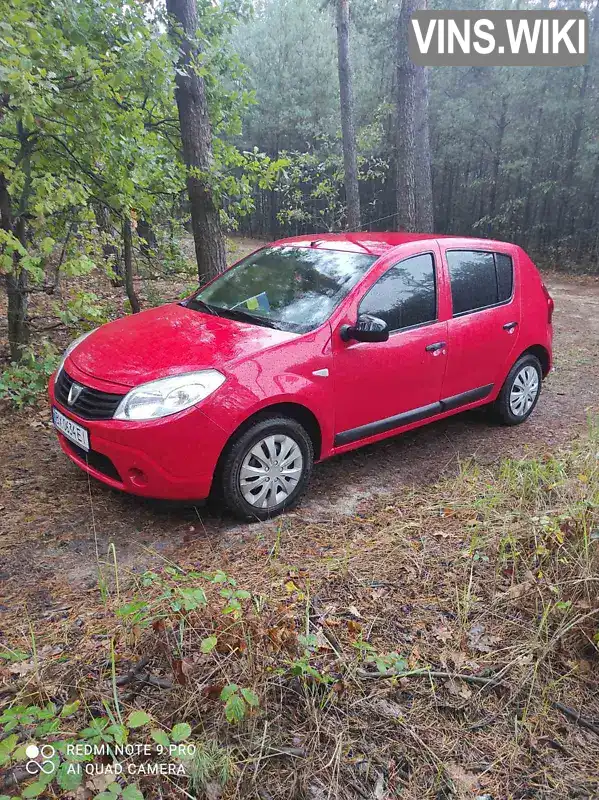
x: 70, y: 429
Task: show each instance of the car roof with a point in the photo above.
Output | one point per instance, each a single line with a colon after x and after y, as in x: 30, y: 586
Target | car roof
x: 375, y: 243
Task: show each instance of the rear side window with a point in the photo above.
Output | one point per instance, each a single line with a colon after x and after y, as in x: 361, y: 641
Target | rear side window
x: 405, y: 295
x: 505, y: 276
x: 478, y: 279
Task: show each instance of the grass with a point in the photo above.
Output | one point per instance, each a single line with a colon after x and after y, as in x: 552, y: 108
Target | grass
x: 353, y: 635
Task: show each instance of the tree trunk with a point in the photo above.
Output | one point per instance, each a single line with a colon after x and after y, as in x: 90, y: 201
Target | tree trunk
x: 350, y: 155
x: 128, y: 263
x: 109, y: 250
x: 16, y: 280
x: 18, y: 301
x: 423, y: 178
x: 497, y: 154
x: 568, y: 182
x: 146, y: 233
x: 406, y: 123
x: 196, y: 139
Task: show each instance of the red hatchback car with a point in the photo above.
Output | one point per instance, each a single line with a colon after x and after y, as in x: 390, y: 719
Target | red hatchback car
x: 309, y: 347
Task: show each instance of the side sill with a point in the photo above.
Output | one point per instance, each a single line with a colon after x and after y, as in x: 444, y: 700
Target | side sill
x: 415, y: 415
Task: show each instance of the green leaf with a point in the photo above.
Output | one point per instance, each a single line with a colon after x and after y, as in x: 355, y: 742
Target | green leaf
x: 69, y: 776
x: 131, y: 792
x: 208, y: 644
x: 234, y: 708
x: 160, y: 737
x: 7, y: 746
x: 227, y: 691
x: 180, y: 732
x: 119, y: 732
x: 192, y: 598
x: 47, y: 245
x: 131, y: 608
x: 137, y: 719
x: 250, y: 698
x: 70, y: 708
x: 34, y: 789
x: 14, y: 655
x: 114, y: 790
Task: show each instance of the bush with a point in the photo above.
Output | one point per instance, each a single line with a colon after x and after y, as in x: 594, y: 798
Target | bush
x: 22, y: 383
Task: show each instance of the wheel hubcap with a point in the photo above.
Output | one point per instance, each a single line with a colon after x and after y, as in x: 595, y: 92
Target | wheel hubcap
x: 525, y: 389
x: 270, y: 471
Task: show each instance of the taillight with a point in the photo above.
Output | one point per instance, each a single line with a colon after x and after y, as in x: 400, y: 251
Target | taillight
x: 550, y: 303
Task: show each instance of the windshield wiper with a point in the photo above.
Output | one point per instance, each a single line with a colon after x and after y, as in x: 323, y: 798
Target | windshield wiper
x: 245, y: 316
x: 199, y: 305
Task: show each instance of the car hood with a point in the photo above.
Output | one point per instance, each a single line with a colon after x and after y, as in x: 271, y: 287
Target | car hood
x: 167, y: 341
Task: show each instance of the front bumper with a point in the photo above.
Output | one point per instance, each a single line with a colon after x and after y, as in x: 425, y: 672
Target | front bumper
x: 173, y: 458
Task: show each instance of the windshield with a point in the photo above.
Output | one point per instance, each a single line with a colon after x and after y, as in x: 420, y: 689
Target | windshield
x: 291, y: 288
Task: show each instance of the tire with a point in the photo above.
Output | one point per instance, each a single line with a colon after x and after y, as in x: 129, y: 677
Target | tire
x: 268, y: 438
x: 515, y: 405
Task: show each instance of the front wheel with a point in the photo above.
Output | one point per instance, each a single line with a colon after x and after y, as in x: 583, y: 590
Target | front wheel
x: 267, y: 468
x: 520, y: 392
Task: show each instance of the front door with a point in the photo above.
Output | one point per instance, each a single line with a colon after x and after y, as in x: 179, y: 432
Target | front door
x: 385, y: 385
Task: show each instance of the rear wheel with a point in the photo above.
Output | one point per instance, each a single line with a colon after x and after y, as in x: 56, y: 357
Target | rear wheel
x: 267, y: 468
x: 520, y: 392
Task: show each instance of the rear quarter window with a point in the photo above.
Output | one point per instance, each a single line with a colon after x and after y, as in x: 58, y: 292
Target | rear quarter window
x: 505, y: 276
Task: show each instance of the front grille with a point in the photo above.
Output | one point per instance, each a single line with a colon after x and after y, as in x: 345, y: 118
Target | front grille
x: 98, y: 461
x: 91, y: 403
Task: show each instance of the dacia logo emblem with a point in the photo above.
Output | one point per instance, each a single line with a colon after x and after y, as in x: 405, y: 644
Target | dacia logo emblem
x: 74, y: 393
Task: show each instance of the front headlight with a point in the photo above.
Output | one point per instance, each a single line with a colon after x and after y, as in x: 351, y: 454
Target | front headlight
x: 70, y: 349
x: 168, y: 395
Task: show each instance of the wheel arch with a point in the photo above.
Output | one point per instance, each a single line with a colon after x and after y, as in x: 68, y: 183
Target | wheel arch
x: 542, y: 354
x: 295, y: 411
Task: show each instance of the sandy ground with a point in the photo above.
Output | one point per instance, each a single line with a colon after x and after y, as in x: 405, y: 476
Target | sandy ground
x: 55, y: 523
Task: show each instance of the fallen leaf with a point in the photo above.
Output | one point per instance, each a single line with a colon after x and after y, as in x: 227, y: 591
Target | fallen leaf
x: 178, y: 671
x: 454, y: 659
x: 515, y: 591
x: 353, y: 626
x: 379, y: 788
x: 481, y: 641
x: 98, y: 783
x: 387, y: 708
x: 22, y: 668
x: 458, y: 688
x: 212, y: 692
x: 442, y: 633
x: 462, y: 780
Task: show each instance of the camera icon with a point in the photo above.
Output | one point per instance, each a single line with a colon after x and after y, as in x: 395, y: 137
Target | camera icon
x: 47, y: 752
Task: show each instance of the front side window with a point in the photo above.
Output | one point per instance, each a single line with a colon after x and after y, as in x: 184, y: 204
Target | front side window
x: 405, y: 295
x: 479, y: 279
x: 291, y: 288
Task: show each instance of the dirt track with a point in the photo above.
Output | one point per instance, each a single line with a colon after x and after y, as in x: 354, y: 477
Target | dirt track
x: 54, y: 522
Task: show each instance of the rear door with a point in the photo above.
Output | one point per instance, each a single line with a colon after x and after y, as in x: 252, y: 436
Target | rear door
x: 483, y: 330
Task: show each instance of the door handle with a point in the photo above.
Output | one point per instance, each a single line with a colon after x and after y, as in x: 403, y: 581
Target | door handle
x: 509, y: 326
x: 433, y: 348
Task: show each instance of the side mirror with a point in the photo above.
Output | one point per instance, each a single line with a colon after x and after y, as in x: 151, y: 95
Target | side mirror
x: 366, y: 329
